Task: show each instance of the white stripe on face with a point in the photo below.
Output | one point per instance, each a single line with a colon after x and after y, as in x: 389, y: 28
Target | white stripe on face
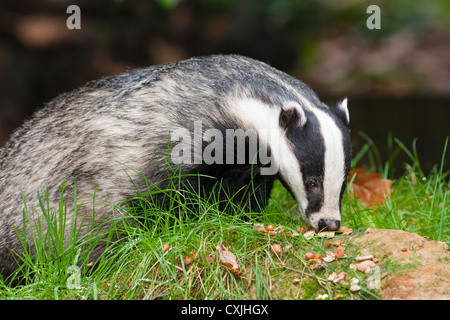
x: 334, y: 166
x: 255, y: 114
x: 265, y: 120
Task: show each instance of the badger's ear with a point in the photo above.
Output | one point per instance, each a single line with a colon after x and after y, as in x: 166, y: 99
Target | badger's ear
x: 292, y: 115
x: 341, y: 110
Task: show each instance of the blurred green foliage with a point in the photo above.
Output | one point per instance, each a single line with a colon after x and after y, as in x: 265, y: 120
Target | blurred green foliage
x: 396, y: 14
x: 302, y: 22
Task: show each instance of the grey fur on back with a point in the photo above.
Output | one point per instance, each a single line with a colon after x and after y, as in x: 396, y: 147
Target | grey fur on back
x: 81, y: 136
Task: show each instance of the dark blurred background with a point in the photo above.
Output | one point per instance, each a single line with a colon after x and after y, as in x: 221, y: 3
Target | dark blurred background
x: 397, y: 78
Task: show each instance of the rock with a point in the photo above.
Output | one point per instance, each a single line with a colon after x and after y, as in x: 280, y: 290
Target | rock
x: 354, y: 287
x: 332, y: 276
x: 420, y: 272
x: 431, y: 282
x: 364, y: 266
x: 330, y: 257
x: 362, y: 258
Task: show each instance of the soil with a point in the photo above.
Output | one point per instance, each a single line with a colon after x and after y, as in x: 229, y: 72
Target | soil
x: 409, y: 266
x: 418, y: 268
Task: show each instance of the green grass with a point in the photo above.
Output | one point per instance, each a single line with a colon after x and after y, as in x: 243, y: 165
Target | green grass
x: 419, y: 202
x: 137, y: 267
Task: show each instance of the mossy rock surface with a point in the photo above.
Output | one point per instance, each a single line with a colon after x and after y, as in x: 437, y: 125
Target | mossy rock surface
x: 418, y: 268
x: 409, y: 266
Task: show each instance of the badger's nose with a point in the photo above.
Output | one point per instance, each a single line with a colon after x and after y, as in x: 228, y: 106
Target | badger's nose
x: 329, y: 225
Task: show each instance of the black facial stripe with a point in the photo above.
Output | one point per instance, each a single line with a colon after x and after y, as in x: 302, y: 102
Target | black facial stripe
x: 309, y: 149
x: 315, y: 200
x: 344, y: 185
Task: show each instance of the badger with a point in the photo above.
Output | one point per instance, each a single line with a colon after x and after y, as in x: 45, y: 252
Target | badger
x: 128, y: 131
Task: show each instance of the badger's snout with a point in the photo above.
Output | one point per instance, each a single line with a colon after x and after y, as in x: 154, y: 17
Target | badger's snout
x: 329, y: 225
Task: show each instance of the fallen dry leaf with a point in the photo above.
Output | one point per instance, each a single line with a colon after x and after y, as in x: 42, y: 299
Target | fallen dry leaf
x: 229, y: 260
x: 330, y: 257
x: 332, y: 276
x: 327, y: 234
x: 338, y: 277
x: 345, y: 231
x: 370, y: 188
x: 166, y: 247
x: 363, y: 266
x: 309, y: 234
x: 269, y: 230
x: 317, y: 265
x: 197, y: 257
x: 310, y: 256
x: 210, y: 259
x: 342, y: 275
x: 276, y: 248
x: 287, y: 247
x: 187, y: 261
x: 340, y: 252
x: 259, y: 227
x: 279, y: 229
x: 296, y: 280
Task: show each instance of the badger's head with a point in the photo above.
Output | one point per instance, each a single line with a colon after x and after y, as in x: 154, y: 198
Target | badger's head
x: 310, y: 152
x: 315, y: 165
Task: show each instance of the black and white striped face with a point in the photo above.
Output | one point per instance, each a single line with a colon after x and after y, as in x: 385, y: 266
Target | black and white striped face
x: 310, y: 150
x: 321, y: 144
